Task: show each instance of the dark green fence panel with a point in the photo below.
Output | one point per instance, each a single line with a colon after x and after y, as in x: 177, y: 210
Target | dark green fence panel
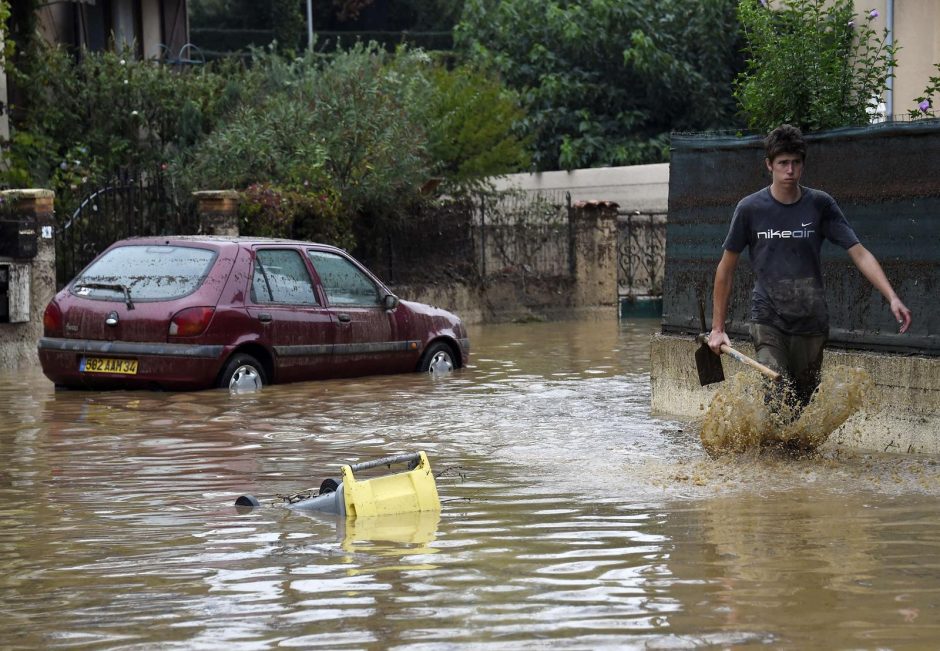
x: 885, y: 177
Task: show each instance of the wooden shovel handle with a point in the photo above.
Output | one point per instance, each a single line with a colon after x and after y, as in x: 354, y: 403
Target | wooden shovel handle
x: 744, y: 359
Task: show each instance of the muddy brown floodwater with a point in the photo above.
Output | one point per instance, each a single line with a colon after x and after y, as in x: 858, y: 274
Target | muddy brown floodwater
x: 571, y: 518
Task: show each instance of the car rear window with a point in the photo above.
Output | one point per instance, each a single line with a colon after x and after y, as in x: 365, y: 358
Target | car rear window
x: 149, y: 273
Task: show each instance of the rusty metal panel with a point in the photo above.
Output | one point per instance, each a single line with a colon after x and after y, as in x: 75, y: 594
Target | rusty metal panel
x: 885, y: 178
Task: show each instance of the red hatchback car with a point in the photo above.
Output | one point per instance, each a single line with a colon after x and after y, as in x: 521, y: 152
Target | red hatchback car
x: 197, y: 312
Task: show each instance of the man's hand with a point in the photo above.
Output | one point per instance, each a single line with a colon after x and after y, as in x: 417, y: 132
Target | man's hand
x: 870, y: 268
x: 718, y: 337
x: 901, y: 313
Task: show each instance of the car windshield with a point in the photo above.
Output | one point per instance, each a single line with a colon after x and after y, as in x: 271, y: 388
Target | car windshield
x: 145, y: 273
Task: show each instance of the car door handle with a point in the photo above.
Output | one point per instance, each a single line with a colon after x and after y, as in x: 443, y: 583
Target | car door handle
x: 344, y: 318
x: 264, y: 317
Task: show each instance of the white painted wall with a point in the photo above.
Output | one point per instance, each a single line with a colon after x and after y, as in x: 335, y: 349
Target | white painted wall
x: 637, y: 187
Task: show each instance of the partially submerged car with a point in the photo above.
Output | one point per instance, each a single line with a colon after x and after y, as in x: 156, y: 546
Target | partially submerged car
x: 195, y: 312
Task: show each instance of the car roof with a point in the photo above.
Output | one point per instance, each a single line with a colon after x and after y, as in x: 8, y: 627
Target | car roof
x: 242, y: 241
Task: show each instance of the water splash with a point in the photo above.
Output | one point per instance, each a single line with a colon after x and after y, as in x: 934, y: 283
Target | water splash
x: 738, y: 418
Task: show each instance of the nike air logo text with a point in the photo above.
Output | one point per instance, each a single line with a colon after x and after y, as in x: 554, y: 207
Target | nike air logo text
x: 772, y: 234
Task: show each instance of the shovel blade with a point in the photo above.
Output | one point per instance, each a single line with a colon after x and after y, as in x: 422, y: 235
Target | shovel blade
x: 708, y: 365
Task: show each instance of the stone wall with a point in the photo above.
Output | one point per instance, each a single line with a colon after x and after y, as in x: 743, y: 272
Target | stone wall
x: 33, y: 277
x: 589, y: 290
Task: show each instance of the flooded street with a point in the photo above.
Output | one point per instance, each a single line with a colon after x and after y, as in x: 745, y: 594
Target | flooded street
x: 570, y: 517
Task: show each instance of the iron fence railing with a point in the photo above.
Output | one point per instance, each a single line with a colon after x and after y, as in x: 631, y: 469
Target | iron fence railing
x: 641, y: 253
x: 524, y: 232
x: 126, y: 204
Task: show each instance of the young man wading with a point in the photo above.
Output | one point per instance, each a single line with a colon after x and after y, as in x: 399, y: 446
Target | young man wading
x: 783, y: 227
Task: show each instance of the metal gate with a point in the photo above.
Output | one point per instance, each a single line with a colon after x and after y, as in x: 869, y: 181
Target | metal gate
x: 641, y: 258
x: 130, y: 203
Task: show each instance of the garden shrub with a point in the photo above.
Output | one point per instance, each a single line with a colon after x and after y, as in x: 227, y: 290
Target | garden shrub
x: 811, y: 63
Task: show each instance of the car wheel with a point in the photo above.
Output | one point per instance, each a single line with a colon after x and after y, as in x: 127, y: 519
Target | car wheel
x: 437, y: 359
x: 242, y: 373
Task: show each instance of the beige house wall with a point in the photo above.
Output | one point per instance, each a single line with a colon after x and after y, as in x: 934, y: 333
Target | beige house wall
x: 916, y: 30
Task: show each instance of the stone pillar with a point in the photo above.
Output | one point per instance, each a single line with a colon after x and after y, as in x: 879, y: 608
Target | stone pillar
x: 30, y: 279
x: 594, y: 254
x: 218, y: 211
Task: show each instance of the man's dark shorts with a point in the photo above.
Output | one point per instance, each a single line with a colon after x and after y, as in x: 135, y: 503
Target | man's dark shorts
x: 797, y: 357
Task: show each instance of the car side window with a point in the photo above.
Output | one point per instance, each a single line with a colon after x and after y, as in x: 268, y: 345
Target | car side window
x: 343, y: 282
x: 280, y: 276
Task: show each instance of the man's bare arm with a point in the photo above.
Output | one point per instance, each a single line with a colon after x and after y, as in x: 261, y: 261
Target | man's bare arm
x: 868, y: 265
x: 724, y: 276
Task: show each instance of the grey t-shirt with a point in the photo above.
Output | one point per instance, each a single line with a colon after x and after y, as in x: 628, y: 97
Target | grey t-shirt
x: 784, y: 243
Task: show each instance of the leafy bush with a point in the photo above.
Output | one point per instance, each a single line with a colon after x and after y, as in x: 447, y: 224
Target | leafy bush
x: 270, y: 211
x: 272, y: 141
x: 351, y: 125
x: 322, y: 145
x: 925, y: 103
x: 106, y: 111
x: 811, y: 63
x: 472, y: 128
x: 604, y: 82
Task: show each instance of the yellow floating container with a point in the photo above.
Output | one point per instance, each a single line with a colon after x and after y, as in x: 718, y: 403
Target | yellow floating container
x: 404, y: 492
x: 412, y: 491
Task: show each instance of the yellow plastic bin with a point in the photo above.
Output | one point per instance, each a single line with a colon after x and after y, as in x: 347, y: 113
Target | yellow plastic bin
x: 406, y: 492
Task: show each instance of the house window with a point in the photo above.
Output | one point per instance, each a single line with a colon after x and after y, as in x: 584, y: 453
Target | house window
x: 108, y: 22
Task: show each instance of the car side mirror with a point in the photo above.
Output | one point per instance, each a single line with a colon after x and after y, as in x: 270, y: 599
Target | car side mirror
x: 390, y: 301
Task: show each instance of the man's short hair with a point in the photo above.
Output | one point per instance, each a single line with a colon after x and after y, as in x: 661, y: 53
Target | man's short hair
x: 785, y: 139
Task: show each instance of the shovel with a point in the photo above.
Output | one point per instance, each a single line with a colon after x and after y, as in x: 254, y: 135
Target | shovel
x: 708, y: 363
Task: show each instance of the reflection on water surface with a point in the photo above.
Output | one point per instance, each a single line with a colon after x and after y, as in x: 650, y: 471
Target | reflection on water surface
x: 570, y: 517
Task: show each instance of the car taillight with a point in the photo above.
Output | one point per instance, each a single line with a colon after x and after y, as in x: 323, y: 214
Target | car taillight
x: 52, y: 320
x: 191, y: 321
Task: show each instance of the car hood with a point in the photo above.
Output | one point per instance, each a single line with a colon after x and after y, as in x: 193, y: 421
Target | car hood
x: 440, y: 319
x: 431, y: 311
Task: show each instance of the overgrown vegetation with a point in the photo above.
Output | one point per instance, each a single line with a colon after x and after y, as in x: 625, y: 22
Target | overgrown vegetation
x: 337, y: 145
x: 606, y: 81
x: 812, y: 63
x: 323, y: 146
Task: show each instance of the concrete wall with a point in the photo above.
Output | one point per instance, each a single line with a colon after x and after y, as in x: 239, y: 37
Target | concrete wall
x: 903, y: 412
x: 643, y: 188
